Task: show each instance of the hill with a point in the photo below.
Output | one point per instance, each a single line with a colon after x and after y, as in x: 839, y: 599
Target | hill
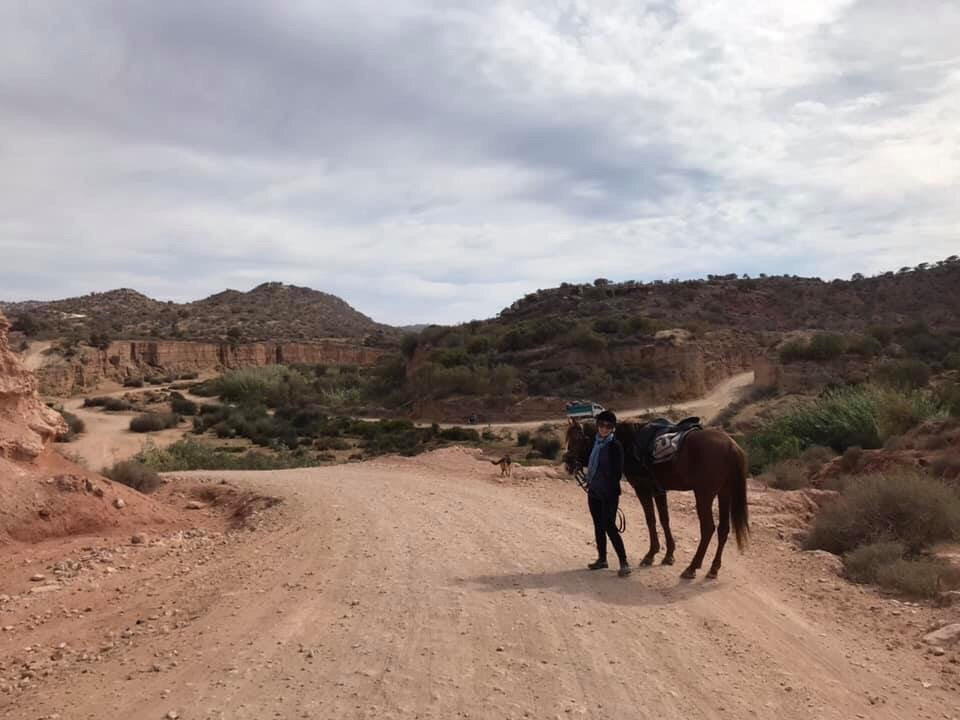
x: 671, y: 340
x: 271, y: 311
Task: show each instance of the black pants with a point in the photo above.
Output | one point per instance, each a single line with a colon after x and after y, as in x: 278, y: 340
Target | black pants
x: 604, y: 513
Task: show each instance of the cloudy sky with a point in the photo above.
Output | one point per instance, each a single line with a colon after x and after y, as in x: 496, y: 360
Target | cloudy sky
x: 433, y: 160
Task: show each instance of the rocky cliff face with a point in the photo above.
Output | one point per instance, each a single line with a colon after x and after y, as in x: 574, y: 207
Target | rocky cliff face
x: 42, y: 494
x: 26, y: 424
x: 91, y: 367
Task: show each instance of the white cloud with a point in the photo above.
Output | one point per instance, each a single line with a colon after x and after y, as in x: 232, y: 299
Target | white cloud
x: 432, y: 161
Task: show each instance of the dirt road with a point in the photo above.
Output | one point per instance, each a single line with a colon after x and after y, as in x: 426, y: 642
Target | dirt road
x: 423, y: 588
x: 706, y: 407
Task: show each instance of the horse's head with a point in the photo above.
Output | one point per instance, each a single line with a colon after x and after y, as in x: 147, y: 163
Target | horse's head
x: 578, y: 444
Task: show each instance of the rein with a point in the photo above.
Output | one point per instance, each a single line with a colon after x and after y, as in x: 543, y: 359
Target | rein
x: 581, y: 478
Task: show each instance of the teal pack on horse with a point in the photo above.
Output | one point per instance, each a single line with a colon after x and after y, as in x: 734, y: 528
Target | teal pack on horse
x: 708, y: 462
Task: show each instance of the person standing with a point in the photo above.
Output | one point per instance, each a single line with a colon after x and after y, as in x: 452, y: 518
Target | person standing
x: 604, y: 470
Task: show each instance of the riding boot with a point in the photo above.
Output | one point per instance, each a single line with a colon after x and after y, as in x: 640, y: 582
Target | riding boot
x: 598, y: 564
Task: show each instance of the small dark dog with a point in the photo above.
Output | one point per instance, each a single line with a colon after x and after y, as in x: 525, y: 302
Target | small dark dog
x: 504, y: 464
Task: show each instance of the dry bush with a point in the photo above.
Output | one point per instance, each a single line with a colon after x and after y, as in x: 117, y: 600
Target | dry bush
x: 135, y: 475
x: 904, y: 506
x: 918, y: 577
x: 788, y: 475
x: 861, y: 565
x: 850, y: 462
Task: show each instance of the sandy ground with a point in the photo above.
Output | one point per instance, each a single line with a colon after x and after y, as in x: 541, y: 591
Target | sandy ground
x: 107, y: 438
x: 425, y: 588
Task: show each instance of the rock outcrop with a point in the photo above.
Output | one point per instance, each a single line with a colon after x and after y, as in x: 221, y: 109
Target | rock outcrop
x: 90, y: 367
x: 26, y: 424
x: 41, y: 493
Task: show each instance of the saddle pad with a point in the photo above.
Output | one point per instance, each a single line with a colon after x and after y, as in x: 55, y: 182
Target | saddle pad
x: 666, y: 446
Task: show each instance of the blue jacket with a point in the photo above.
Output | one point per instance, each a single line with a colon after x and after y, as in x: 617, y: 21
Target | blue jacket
x: 605, y: 482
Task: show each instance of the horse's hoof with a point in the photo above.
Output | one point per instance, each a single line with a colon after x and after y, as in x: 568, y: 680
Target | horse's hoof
x: 688, y: 574
x: 667, y: 560
x: 712, y: 575
x: 647, y: 560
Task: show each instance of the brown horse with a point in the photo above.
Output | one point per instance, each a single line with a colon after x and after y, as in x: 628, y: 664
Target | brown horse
x: 709, y: 462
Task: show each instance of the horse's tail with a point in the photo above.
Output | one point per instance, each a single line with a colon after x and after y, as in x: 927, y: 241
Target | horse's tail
x: 739, y: 513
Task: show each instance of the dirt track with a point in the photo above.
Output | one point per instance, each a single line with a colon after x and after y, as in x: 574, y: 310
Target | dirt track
x: 424, y: 588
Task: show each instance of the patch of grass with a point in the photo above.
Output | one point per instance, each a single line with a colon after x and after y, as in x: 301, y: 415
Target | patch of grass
x: 134, y: 474
x: 865, y: 416
x: 150, y: 422
x: 906, y: 507
x: 192, y: 455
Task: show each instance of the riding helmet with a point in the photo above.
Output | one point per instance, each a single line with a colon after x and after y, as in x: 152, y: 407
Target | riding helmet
x: 606, y: 416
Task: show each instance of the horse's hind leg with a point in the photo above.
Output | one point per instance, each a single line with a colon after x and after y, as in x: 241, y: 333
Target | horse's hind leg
x: 664, y: 513
x: 707, y: 526
x: 646, y: 500
x: 722, y: 531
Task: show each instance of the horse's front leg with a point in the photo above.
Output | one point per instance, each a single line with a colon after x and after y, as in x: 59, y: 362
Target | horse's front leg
x: 646, y: 500
x: 664, y: 512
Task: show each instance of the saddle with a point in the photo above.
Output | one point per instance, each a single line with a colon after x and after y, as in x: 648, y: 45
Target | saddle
x: 659, y: 441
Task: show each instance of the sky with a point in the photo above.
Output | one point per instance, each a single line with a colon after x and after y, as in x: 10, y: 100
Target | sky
x: 434, y: 160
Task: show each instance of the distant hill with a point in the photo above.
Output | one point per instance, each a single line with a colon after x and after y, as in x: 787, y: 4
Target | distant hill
x: 271, y: 311
x: 604, y: 340
x: 929, y: 294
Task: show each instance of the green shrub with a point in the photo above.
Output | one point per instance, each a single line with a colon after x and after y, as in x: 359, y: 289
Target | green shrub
x: 459, y: 434
x: 408, y: 345
x: 822, y: 347
x: 523, y: 437
x: 825, y: 346
x: 865, y: 416
x: 182, y: 406
x: 903, y: 374
x: 906, y: 507
x: 331, y: 443
x: 546, y: 446
x: 866, y: 346
x: 134, y: 474
x: 192, y: 375
x: 116, y: 405
x: 149, y: 422
x: 98, y: 401
x: 75, y: 426
x: 192, y: 455
x: 133, y: 382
